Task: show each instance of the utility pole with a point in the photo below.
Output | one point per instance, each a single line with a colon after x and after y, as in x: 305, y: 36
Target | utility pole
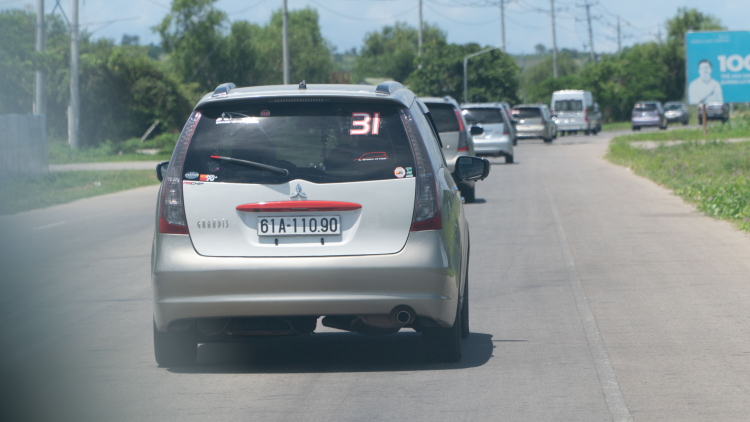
x: 502, y: 23
x: 591, y: 34
x: 74, y: 107
x: 619, y: 37
x: 419, y: 45
x: 554, y: 39
x: 285, y: 45
x: 39, y: 101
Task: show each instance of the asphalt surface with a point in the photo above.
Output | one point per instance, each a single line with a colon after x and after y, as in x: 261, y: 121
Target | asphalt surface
x: 595, y: 295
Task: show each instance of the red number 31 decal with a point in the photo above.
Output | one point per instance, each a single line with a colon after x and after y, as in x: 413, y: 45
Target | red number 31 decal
x: 364, y: 125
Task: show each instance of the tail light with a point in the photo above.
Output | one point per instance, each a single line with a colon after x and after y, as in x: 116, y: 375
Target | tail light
x: 463, y: 142
x: 427, y: 214
x: 506, y: 129
x: 585, y: 115
x: 172, y: 217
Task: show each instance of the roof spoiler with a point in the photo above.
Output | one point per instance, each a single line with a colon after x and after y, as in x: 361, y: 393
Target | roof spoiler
x: 388, y: 87
x: 223, y: 89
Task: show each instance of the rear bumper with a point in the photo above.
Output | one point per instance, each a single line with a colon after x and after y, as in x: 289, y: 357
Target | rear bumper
x: 530, y: 134
x: 495, y: 145
x: 643, y: 123
x: 571, y: 126
x: 190, y: 286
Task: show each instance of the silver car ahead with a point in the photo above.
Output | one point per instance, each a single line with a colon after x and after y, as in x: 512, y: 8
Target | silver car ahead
x: 498, y: 131
x: 455, y: 134
x: 534, y: 121
x: 284, y: 204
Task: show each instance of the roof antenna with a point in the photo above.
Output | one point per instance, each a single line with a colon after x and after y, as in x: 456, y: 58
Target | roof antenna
x: 302, y: 85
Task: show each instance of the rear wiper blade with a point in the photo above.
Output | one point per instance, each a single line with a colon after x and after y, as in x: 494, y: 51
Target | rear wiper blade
x: 261, y: 166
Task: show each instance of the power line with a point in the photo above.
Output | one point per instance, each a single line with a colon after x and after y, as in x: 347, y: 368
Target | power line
x: 359, y: 18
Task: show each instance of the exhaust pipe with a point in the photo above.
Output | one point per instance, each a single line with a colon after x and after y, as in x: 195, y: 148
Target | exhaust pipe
x: 403, y: 317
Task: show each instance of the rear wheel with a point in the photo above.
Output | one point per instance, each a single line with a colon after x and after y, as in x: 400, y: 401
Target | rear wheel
x: 509, y: 159
x: 636, y: 128
x: 547, y: 140
x: 587, y: 132
x: 468, y: 193
x: 515, y: 141
x: 465, y: 304
x: 685, y: 123
x: 443, y: 344
x: 176, y: 348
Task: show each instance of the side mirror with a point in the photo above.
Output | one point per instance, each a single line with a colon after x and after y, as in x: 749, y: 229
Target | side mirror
x: 161, y: 170
x: 476, y: 131
x: 472, y: 168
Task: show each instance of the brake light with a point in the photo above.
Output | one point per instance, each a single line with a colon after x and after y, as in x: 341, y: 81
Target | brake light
x: 427, y: 214
x: 585, y: 115
x: 463, y: 142
x: 172, y: 217
x: 506, y: 129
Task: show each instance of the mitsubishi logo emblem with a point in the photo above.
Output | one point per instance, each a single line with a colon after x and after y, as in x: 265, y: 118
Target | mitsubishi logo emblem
x: 298, y: 193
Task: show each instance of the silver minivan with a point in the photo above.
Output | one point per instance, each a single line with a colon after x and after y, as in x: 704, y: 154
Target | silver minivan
x: 499, y: 133
x: 575, y: 110
x: 284, y: 204
x: 455, y: 134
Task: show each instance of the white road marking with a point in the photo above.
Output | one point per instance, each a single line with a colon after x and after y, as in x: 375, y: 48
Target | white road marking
x: 607, y: 378
x: 49, y: 225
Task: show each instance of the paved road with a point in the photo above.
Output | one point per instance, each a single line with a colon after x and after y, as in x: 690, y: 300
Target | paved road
x: 596, y: 295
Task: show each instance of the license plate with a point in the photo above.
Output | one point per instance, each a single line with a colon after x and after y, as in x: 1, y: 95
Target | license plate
x: 299, y: 226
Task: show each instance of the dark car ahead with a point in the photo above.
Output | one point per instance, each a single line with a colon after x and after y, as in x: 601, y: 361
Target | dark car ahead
x: 714, y: 111
x: 676, y: 112
x: 648, y: 113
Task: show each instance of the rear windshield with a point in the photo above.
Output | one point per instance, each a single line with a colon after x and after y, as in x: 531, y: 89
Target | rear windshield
x: 568, y: 105
x: 645, y: 107
x: 672, y: 107
x: 483, y: 115
x: 445, y: 117
x: 527, y: 112
x: 318, y: 142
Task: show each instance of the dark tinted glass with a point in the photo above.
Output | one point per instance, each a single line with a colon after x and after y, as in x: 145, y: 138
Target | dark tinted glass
x: 444, y: 116
x: 569, y: 105
x: 645, y: 107
x: 672, y: 107
x: 527, y: 112
x: 483, y: 115
x: 318, y: 142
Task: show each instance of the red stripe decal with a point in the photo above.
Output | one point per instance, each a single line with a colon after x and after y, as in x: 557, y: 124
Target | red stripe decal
x: 291, y: 206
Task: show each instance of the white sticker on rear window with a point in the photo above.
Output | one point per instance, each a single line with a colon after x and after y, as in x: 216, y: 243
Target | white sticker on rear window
x: 373, y: 156
x: 227, y: 118
x: 365, y: 124
x: 399, y: 172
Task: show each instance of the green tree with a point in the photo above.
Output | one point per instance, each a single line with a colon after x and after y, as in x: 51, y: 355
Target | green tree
x: 391, y: 51
x: 18, y: 61
x: 537, y: 83
x: 690, y: 20
x: 309, y: 53
x: 492, y: 76
x: 191, y: 33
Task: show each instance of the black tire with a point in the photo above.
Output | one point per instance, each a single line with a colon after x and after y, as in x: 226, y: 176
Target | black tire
x: 443, y: 344
x: 508, y: 159
x: 587, y: 132
x: 515, y: 141
x: 175, y: 349
x: 469, y: 193
x: 465, y: 305
x: 635, y: 128
x: 555, y: 135
x: 562, y: 133
x: 685, y: 123
x: 547, y: 140
x: 663, y: 127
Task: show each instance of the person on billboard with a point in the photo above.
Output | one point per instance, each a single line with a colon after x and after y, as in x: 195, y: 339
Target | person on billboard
x: 704, y: 89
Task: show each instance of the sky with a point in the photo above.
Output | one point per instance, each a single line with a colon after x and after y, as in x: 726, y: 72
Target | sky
x: 345, y: 23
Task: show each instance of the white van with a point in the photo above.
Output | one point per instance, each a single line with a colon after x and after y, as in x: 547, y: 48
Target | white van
x: 575, y: 110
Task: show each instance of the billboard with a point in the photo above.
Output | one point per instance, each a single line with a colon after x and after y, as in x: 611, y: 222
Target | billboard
x: 718, y: 66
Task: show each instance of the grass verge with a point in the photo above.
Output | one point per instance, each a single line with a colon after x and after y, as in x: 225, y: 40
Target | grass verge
x: 715, y: 176
x: 615, y: 126
x: 58, y: 188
